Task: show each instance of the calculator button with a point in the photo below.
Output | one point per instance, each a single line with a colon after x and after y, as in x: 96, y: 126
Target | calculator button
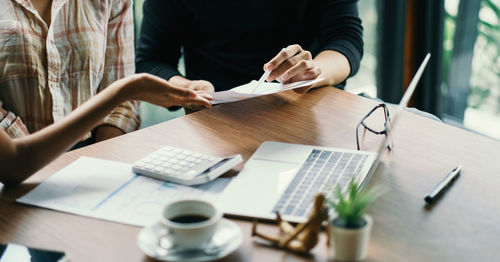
x: 169, y: 154
x: 154, y: 155
x: 173, y: 160
x: 190, y: 173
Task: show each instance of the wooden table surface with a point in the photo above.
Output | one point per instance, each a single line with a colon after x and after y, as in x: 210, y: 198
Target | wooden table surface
x: 463, y: 226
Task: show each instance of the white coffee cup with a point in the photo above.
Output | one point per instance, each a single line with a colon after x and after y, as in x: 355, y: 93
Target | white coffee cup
x: 190, y: 223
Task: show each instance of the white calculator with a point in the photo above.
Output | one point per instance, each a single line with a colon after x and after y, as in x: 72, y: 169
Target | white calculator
x: 183, y: 166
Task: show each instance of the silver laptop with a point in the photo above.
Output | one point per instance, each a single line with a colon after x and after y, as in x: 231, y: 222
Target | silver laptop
x: 284, y: 178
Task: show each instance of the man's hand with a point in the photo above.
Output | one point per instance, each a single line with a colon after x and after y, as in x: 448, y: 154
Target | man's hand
x: 105, y: 132
x: 293, y: 64
x: 201, y: 87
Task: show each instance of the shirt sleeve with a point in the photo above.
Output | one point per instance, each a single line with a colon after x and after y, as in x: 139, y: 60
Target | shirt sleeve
x: 11, y: 123
x: 164, y: 25
x: 341, y: 30
x: 119, y: 63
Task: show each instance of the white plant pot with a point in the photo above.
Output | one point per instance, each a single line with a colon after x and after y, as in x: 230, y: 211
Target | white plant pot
x: 350, y: 244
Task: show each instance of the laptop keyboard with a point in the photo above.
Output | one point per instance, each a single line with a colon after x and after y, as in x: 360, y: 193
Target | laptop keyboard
x: 321, y: 172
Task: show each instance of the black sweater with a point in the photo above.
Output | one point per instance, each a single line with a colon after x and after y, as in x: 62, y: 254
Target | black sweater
x: 227, y: 42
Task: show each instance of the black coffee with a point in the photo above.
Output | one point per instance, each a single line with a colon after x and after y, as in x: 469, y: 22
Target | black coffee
x: 189, y: 219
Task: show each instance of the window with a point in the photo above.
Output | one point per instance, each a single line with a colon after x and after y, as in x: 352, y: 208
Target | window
x: 472, y: 73
x: 364, y: 81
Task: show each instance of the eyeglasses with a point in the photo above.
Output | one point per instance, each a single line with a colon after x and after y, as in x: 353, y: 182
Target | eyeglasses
x: 377, y: 132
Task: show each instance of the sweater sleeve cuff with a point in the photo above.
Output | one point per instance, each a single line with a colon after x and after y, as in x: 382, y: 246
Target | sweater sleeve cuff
x: 158, y: 69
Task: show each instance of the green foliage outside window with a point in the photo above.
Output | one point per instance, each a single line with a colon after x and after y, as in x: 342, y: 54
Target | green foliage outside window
x: 485, y: 79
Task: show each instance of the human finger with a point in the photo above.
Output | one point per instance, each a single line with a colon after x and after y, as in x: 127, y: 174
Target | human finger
x: 307, y: 75
x: 287, y: 64
x: 312, y: 74
x: 204, y: 95
x: 197, y: 103
x: 283, y: 55
x: 164, y: 86
x: 297, y: 70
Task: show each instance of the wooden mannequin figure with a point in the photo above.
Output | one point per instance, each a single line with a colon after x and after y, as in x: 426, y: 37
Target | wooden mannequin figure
x: 305, y: 236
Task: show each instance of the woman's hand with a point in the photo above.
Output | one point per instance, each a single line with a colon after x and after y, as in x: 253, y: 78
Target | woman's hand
x: 293, y: 64
x: 195, y: 85
x: 158, y: 91
x: 200, y: 86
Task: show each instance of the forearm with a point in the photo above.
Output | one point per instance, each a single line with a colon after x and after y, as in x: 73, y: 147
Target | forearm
x: 28, y: 154
x: 334, y: 67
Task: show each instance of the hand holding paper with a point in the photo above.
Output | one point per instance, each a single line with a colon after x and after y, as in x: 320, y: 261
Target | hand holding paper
x: 293, y: 64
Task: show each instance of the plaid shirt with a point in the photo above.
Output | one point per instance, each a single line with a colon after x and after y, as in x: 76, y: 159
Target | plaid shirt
x: 46, y: 72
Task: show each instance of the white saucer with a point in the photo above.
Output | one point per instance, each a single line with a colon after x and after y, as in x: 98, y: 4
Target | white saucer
x: 228, y: 237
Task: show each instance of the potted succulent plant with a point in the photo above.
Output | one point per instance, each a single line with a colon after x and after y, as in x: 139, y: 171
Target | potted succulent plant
x: 349, y: 228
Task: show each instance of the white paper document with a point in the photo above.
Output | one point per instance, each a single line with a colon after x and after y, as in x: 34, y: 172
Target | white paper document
x: 109, y: 190
x: 247, y: 90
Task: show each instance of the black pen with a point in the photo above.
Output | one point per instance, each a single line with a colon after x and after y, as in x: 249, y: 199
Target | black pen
x: 443, y: 184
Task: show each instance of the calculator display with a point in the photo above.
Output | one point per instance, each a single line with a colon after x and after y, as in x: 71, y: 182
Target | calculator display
x: 218, y: 164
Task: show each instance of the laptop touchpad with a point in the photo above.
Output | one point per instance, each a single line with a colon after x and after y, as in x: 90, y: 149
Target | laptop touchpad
x: 282, y: 152
x: 257, y: 188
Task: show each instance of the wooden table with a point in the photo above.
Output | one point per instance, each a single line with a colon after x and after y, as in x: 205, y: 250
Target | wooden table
x: 463, y: 226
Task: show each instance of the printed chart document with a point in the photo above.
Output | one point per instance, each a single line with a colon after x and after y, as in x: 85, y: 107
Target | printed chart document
x: 109, y: 190
x: 247, y: 90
